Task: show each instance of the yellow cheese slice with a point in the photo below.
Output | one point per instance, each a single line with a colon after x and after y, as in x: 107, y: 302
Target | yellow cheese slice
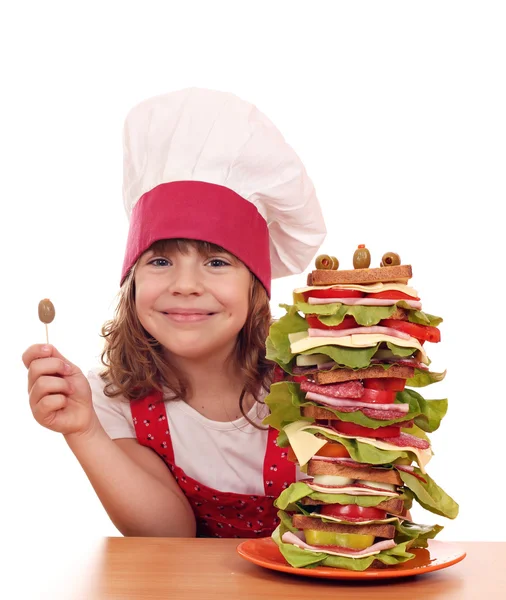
x: 372, y: 288
x: 302, y: 445
x: 300, y: 342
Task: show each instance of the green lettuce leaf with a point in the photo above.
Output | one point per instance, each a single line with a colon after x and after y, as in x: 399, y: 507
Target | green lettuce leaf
x: 430, y: 495
x: 359, y: 451
x: 334, y: 313
x: 286, y: 400
x: 288, y: 498
x: 422, y: 378
x: 416, y: 534
x: 306, y: 558
x: 278, y: 344
x: 421, y: 318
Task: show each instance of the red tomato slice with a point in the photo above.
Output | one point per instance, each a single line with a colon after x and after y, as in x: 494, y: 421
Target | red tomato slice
x: 378, y: 396
x: 333, y: 293
x: 420, y: 332
x: 347, y: 323
x: 352, y: 510
x: 393, y: 295
x: 388, y: 384
x: 298, y: 378
x: 333, y: 449
x: 359, y: 431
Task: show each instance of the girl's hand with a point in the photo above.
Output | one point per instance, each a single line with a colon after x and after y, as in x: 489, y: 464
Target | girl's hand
x: 60, y: 395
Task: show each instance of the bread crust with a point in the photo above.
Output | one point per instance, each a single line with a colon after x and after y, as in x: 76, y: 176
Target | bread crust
x: 367, y: 473
x: 385, y: 530
x: 398, y: 274
x: 376, y: 371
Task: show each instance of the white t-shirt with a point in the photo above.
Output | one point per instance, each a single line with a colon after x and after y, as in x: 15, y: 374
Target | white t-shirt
x: 224, y: 456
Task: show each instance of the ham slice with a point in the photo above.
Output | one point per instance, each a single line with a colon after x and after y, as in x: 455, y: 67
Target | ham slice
x: 404, y: 362
x: 364, y: 302
x: 352, y: 402
x: 411, y: 470
x: 337, y: 333
x: 291, y: 538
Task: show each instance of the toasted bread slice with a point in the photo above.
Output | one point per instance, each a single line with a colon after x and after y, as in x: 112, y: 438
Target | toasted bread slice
x: 384, y: 530
x: 394, y: 506
x: 398, y: 273
x: 317, y: 412
x: 367, y: 473
x: 375, y: 371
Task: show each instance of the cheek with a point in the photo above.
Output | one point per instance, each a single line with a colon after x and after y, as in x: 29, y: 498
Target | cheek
x: 236, y: 302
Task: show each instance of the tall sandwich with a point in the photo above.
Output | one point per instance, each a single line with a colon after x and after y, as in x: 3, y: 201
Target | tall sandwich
x: 353, y: 346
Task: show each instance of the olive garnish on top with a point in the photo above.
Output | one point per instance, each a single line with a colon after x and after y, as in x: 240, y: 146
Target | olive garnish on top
x: 390, y: 259
x: 361, y: 257
x: 324, y: 261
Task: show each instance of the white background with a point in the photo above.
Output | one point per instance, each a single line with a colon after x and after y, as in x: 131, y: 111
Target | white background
x: 397, y: 111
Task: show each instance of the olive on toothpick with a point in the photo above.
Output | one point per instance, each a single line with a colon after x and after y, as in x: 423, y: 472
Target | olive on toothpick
x: 46, y: 314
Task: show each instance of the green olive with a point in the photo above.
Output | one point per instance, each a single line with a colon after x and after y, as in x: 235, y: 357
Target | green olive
x: 361, y: 258
x: 324, y: 261
x: 390, y: 259
x: 335, y: 263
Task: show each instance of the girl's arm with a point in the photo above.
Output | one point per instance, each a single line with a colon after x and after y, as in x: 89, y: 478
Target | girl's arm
x: 134, y: 485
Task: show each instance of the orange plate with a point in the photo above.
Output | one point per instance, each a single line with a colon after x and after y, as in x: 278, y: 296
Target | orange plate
x: 438, y: 555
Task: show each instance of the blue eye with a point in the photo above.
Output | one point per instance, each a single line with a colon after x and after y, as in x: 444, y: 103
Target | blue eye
x: 217, y: 262
x: 156, y: 262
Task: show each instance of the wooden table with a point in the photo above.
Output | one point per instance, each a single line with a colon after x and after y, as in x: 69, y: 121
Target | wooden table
x: 156, y: 568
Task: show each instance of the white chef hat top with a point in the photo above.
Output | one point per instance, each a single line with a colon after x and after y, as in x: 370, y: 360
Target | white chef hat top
x: 209, y: 136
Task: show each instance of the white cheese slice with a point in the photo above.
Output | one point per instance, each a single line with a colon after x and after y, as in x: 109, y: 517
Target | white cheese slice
x: 302, y: 444
x: 337, y: 480
x: 308, y: 360
x: 300, y: 342
x: 372, y: 288
x: 352, y: 490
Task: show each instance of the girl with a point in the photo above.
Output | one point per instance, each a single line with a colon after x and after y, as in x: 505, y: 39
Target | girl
x: 170, y: 433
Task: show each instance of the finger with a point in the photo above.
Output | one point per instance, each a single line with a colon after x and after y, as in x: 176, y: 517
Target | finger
x: 34, y: 352
x: 47, y: 386
x: 44, y: 351
x: 47, y: 366
x: 56, y: 354
x: 45, y: 409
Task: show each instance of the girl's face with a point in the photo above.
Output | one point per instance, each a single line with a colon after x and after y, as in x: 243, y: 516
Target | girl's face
x: 193, y: 304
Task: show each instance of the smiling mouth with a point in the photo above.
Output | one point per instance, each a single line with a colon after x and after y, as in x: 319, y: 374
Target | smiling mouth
x: 185, y: 317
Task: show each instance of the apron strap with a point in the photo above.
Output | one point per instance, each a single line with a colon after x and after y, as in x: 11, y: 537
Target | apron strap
x: 152, y: 426
x: 279, y: 472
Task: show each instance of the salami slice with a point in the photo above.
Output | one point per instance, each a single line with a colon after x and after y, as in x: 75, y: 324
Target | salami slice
x: 406, y: 439
x: 379, y: 415
x: 386, y: 415
x: 346, y: 389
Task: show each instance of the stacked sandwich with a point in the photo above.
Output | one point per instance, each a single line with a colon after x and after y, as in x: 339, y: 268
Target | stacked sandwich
x: 352, y: 344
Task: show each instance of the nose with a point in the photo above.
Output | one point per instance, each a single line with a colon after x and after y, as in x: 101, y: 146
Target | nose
x: 186, y: 280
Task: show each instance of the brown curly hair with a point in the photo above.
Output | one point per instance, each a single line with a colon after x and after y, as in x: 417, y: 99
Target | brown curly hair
x: 134, y: 361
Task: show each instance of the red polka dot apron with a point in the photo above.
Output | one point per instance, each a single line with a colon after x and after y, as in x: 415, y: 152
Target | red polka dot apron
x: 218, y: 513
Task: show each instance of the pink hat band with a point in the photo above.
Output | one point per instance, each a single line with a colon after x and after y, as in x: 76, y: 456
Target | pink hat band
x: 203, y: 211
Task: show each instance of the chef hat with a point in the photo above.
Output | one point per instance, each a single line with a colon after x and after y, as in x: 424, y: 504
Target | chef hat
x: 206, y: 165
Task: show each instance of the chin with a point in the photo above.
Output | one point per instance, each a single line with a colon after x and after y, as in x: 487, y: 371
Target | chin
x: 195, y: 349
